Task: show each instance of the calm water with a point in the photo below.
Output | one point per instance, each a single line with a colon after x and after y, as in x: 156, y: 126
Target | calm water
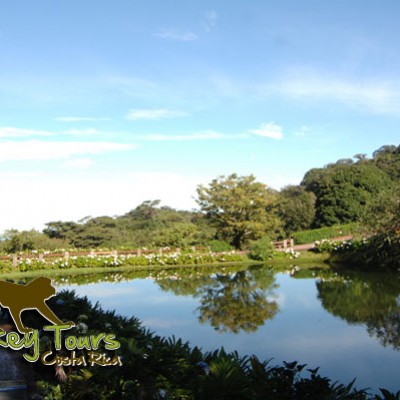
x: 348, y: 324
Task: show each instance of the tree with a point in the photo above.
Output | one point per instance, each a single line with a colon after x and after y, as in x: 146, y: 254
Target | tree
x: 240, y: 208
x: 382, y: 216
x: 14, y: 241
x: 182, y: 234
x: 343, y: 190
x: 296, y: 208
x: 387, y: 158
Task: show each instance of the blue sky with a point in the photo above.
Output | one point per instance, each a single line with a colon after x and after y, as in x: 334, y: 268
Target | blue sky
x: 106, y: 104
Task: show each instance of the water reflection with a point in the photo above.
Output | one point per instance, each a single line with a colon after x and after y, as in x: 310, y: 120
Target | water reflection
x: 365, y: 298
x: 235, y: 299
x: 337, y: 320
x: 232, y: 301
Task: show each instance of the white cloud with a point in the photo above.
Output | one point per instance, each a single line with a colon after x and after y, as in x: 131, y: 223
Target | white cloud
x: 270, y: 130
x: 303, y: 131
x: 211, y: 21
x: 40, y: 150
x: 382, y: 97
x: 193, y: 136
x: 78, y: 163
x: 178, y: 36
x: 81, y: 132
x: 151, y: 114
x: 75, y: 196
x: 82, y: 119
x: 206, y: 135
x: 13, y: 132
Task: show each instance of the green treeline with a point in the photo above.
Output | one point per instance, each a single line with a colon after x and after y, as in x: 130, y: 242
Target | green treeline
x: 234, y: 211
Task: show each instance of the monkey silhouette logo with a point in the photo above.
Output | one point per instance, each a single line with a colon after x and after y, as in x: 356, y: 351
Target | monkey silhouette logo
x: 18, y: 298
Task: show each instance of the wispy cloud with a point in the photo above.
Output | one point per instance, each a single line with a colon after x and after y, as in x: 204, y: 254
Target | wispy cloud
x: 82, y: 119
x: 303, y: 131
x: 193, y: 136
x: 13, y: 132
x: 210, y: 21
x: 270, y: 130
x: 152, y: 114
x: 41, y: 150
x: 176, y: 35
x: 382, y: 97
x: 78, y: 163
x: 81, y: 132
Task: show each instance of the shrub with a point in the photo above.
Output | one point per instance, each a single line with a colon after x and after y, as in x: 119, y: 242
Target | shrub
x: 324, y: 246
x: 261, y: 249
x: 313, y: 235
x: 219, y: 246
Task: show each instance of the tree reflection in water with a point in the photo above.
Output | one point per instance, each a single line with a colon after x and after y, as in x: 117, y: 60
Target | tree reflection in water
x: 230, y: 301
x: 365, y: 298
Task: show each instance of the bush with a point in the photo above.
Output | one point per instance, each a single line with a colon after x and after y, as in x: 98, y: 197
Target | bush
x: 378, y: 252
x: 329, y: 246
x: 324, y: 246
x: 313, y: 235
x: 261, y: 249
x: 219, y: 246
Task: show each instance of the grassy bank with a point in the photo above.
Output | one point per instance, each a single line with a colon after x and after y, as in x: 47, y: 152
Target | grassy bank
x: 305, y: 260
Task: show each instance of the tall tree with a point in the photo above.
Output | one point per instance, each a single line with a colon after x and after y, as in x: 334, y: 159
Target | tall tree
x: 343, y: 190
x: 296, y: 208
x: 240, y: 208
x: 387, y: 158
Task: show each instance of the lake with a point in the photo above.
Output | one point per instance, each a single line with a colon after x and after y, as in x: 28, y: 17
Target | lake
x: 345, y: 322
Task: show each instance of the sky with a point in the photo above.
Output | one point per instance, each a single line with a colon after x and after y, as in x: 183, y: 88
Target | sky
x: 104, y: 105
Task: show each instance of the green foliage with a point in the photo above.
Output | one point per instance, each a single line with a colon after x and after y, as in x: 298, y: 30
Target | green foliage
x: 103, y: 261
x: 240, y: 208
x: 381, y: 251
x: 261, y: 249
x: 312, y: 235
x: 342, y: 190
x: 219, y: 246
x: 49, y: 391
x: 329, y: 246
x: 382, y: 216
x: 183, y: 234
x: 296, y: 208
x: 324, y: 246
x: 147, y: 225
x: 387, y: 158
x: 15, y: 241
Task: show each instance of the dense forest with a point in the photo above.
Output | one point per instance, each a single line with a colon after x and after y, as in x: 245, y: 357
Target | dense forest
x: 235, y: 210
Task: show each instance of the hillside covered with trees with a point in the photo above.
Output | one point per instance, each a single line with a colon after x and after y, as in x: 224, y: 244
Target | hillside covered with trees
x: 234, y: 211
